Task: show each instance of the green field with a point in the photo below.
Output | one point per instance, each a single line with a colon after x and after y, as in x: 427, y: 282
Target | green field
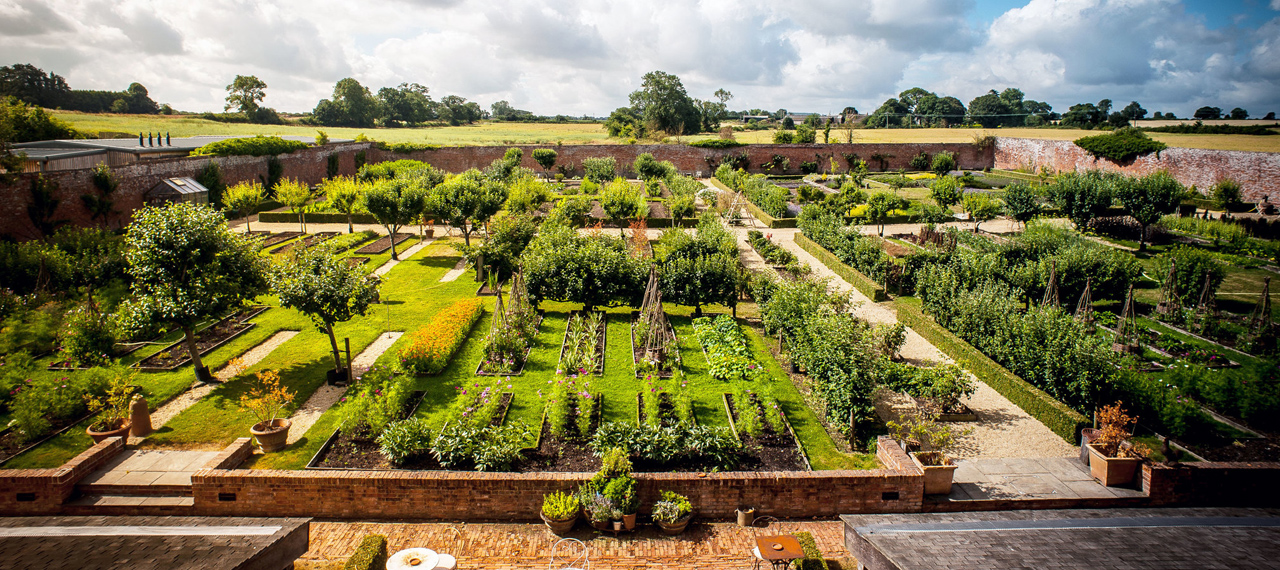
x: 490, y: 133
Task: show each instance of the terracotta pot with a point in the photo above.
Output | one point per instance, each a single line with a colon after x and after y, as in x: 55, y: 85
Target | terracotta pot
x: 600, y: 525
x: 674, y: 528
x: 272, y: 435
x: 937, y: 478
x: 100, y: 436
x: 1112, y: 471
x: 629, y: 521
x: 560, y: 526
x: 746, y: 516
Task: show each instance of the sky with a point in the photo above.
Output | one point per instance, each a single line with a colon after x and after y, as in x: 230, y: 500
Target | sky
x: 583, y: 57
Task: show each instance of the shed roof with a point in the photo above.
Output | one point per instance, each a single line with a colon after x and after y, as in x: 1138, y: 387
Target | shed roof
x: 183, y: 185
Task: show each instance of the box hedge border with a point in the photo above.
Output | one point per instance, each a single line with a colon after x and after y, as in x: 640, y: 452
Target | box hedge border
x: 766, y: 219
x: 315, y: 218
x: 1059, y: 418
x: 859, y: 280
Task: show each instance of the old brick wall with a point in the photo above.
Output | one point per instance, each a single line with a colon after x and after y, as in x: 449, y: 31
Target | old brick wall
x: 518, y: 496
x: 1257, y: 172
x: 1213, y: 484
x: 691, y: 160
x: 42, y: 491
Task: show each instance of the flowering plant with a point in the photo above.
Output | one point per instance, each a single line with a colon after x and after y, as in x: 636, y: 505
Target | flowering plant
x: 430, y: 347
x: 267, y: 398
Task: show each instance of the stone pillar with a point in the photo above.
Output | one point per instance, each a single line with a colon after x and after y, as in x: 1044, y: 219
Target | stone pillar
x: 139, y: 417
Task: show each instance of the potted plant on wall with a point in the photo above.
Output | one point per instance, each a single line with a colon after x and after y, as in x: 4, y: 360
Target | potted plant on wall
x: 266, y: 400
x: 936, y: 442
x: 672, y: 513
x: 1112, y: 459
x: 560, y: 511
x: 595, y: 507
x: 622, y: 493
x: 112, y: 408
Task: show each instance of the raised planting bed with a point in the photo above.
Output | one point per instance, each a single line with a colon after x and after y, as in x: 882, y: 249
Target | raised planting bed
x: 480, y: 367
x: 485, y: 291
x: 658, y: 209
x: 279, y: 238
x: 957, y: 413
x: 600, y: 341
x: 771, y: 450
x: 358, y: 450
x: 305, y: 242
x: 213, y: 336
x: 637, y: 352
x: 12, y: 446
x: 568, y: 455
x: 383, y: 244
x: 666, y: 410
x: 257, y: 234
x: 354, y: 261
x: 118, y: 351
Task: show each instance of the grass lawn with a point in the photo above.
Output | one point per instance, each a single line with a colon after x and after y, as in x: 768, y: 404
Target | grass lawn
x: 490, y: 133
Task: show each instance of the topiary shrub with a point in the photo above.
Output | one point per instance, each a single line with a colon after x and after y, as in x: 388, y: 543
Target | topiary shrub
x: 1121, y: 145
x: 249, y: 146
x: 370, y: 555
x: 813, y: 559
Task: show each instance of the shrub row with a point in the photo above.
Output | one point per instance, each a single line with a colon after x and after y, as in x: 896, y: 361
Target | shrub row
x: 430, y: 347
x: 717, y: 143
x: 249, y: 146
x: 370, y: 555
x: 1059, y: 418
x: 859, y: 281
x: 316, y: 218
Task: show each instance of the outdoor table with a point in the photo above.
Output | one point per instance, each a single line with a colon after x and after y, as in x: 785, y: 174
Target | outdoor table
x: 779, y: 550
x: 413, y: 558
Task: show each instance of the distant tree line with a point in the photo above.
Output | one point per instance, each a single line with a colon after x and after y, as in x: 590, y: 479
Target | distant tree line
x: 34, y: 86
x: 662, y: 107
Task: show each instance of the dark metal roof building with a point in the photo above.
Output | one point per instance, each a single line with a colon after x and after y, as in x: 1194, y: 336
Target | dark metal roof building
x: 176, y: 190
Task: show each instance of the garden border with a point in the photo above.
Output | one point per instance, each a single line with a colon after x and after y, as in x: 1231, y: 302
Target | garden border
x: 541, y: 316
x: 1055, y: 415
x: 333, y: 437
x: 866, y: 285
x: 604, y: 344
x: 254, y: 310
x: 733, y: 425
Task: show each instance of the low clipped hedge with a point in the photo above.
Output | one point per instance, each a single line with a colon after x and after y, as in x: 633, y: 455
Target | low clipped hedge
x: 370, y: 555
x: 717, y: 143
x: 1120, y: 146
x: 813, y: 559
x: 431, y: 347
x: 250, y: 146
x: 1059, y: 418
x: 860, y: 281
x: 316, y: 218
x: 768, y: 220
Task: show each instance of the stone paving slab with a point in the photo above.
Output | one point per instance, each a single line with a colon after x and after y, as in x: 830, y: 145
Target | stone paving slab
x: 157, y: 542
x: 1034, y: 478
x: 1138, y: 539
x: 150, y: 467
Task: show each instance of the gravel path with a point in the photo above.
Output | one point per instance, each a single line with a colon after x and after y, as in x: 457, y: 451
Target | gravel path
x: 456, y: 272
x: 326, y: 396
x: 197, y: 391
x: 1002, y: 429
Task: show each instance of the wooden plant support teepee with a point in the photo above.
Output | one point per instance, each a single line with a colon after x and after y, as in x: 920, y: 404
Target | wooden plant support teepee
x: 1084, y: 308
x: 657, y: 336
x: 1260, y: 323
x: 1207, y: 306
x: 1127, y: 329
x: 1051, y: 292
x: 1170, y: 305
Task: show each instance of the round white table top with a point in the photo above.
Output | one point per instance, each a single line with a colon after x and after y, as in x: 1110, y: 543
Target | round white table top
x: 413, y: 559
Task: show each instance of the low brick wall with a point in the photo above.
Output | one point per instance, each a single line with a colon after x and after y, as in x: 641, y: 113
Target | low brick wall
x: 42, y: 491
x: 470, y: 496
x: 1219, y: 484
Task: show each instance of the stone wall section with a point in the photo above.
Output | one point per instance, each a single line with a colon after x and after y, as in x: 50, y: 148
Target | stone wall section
x: 1257, y: 172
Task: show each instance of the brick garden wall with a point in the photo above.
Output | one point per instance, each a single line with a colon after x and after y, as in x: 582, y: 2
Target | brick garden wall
x: 1257, y: 172
x: 42, y: 491
x: 518, y: 496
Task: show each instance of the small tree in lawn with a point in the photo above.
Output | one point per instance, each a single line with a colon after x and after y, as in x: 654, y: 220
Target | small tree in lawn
x: 346, y: 196
x: 325, y: 288
x: 1021, y: 202
x: 946, y: 191
x: 296, y: 195
x: 244, y: 198
x: 188, y: 267
x: 467, y: 200
x: 880, y: 204
x: 980, y: 207
x: 394, y: 203
x: 1149, y: 198
x: 620, y: 202
x: 546, y: 158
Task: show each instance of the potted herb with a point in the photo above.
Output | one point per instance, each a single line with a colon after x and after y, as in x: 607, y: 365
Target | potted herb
x: 621, y: 492
x: 596, y: 507
x: 672, y: 513
x: 266, y: 400
x: 112, y: 408
x: 936, y: 441
x: 615, y: 515
x: 1113, y: 460
x: 560, y: 511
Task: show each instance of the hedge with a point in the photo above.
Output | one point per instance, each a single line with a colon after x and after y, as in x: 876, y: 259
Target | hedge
x: 1059, y: 418
x: 370, y: 555
x: 717, y: 143
x: 861, y: 282
x: 249, y: 146
x: 316, y: 218
x: 813, y: 559
x: 430, y: 347
x: 768, y: 220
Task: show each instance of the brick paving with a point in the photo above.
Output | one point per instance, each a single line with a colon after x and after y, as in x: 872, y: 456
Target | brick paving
x: 1138, y: 539
x: 703, y: 545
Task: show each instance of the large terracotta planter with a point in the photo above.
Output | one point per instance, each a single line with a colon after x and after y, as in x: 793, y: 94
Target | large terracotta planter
x: 272, y: 435
x: 1112, y: 471
x: 674, y: 528
x: 100, y: 436
x: 629, y: 521
x: 937, y: 478
x: 559, y: 526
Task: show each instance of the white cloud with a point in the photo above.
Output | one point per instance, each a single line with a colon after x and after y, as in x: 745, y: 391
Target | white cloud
x: 584, y: 56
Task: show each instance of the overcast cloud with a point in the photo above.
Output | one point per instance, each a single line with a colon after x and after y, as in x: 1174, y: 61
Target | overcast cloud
x: 584, y: 56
